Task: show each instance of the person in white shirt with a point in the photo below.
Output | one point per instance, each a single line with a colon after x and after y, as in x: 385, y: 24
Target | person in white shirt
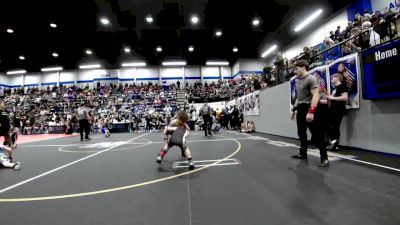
x: 374, y: 38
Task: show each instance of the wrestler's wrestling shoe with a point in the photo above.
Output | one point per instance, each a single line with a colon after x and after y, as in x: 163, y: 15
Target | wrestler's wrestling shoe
x: 159, y: 159
x: 191, y: 165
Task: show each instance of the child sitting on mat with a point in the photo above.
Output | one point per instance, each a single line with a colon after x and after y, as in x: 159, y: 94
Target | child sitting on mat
x: 5, y: 158
x: 179, y: 131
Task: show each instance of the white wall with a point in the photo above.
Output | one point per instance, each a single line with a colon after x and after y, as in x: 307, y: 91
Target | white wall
x: 210, y: 74
x: 3, y: 79
x: 146, y: 73
x: 316, y: 37
x: 68, y: 77
x: 127, y: 75
x: 33, y: 79
x: 49, y: 78
x: 15, y: 80
x: 226, y: 72
x: 192, y: 74
x: 172, y: 75
x: 236, y: 68
x: 252, y: 65
x: 382, y: 4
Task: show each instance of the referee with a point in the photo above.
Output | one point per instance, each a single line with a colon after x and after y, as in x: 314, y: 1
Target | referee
x: 308, y: 116
x: 83, y: 118
x: 205, y: 111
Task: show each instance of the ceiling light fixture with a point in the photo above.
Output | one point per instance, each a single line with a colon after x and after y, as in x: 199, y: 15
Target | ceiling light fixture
x: 104, y: 21
x: 308, y: 20
x: 90, y: 66
x: 49, y: 69
x: 134, y: 64
x: 149, y: 19
x: 174, y: 63
x: 269, y: 51
x: 16, y: 72
x: 194, y: 20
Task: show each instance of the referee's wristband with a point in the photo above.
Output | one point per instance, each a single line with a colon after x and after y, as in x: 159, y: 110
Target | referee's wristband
x: 312, y: 110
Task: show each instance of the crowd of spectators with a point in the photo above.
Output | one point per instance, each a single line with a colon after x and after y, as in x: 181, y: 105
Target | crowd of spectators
x: 364, y: 32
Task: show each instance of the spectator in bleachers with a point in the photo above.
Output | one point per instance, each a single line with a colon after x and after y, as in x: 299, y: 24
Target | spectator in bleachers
x: 338, y: 34
x: 333, y: 52
x: 332, y: 35
x: 357, y: 20
x: 280, y: 67
x: 374, y: 38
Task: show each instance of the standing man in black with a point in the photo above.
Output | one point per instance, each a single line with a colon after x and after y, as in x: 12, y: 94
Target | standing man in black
x: 337, y: 109
x: 5, y: 125
x: 83, y: 118
x: 235, y: 124
x: 206, y: 111
x: 308, y: 116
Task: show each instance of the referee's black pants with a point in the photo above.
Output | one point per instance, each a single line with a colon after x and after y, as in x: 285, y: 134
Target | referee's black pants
x: 207, y: 124
x: 317, y: 129
x: 84, y: 126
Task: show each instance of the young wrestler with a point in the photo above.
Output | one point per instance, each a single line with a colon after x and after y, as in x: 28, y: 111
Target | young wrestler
x: 104, y: 128
x: 5, y: 154
x: 179, y: 131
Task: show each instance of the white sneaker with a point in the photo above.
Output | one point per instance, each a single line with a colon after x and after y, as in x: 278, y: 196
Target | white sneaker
x: 159, y: 159
x: 17, y: 167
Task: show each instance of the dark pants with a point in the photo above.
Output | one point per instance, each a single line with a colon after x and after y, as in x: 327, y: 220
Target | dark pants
x: 7, y: 138
x: 207, y: 124
x: 84, y: 126
x: 317, y: 128
x: 334, y: 121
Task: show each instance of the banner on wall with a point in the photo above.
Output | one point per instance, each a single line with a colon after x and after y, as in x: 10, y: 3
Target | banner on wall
x: 293, y: 93
x: 249, y: 104
x: 322, y: 74
x: 349, y: 67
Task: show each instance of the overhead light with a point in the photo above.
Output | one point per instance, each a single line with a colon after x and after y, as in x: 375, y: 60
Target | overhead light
x: 235, y: 49
x: 53, y: 25
x: 217, y: 63
x: 149, y: 19
x: 10, y: 31
x: 195, y: 19
x: 159, y: 49
x: 174, y: 63
x: 55, y: 54
x: 21, y: 57
x: 255, y: 22
x: 104, y: 21
x: 89, y: 52
x: 191, y: 48
x: 16, y: 72
x: 308, y: 20
x: 90, y: 66
x: 218, y: 33
x: 48, y: 69
x: 269, y: 51
x: 134, y: 64
x: 127, y: 50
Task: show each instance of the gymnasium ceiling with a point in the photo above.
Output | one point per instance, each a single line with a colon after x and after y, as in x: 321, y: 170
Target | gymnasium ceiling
x: 79, y: 28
